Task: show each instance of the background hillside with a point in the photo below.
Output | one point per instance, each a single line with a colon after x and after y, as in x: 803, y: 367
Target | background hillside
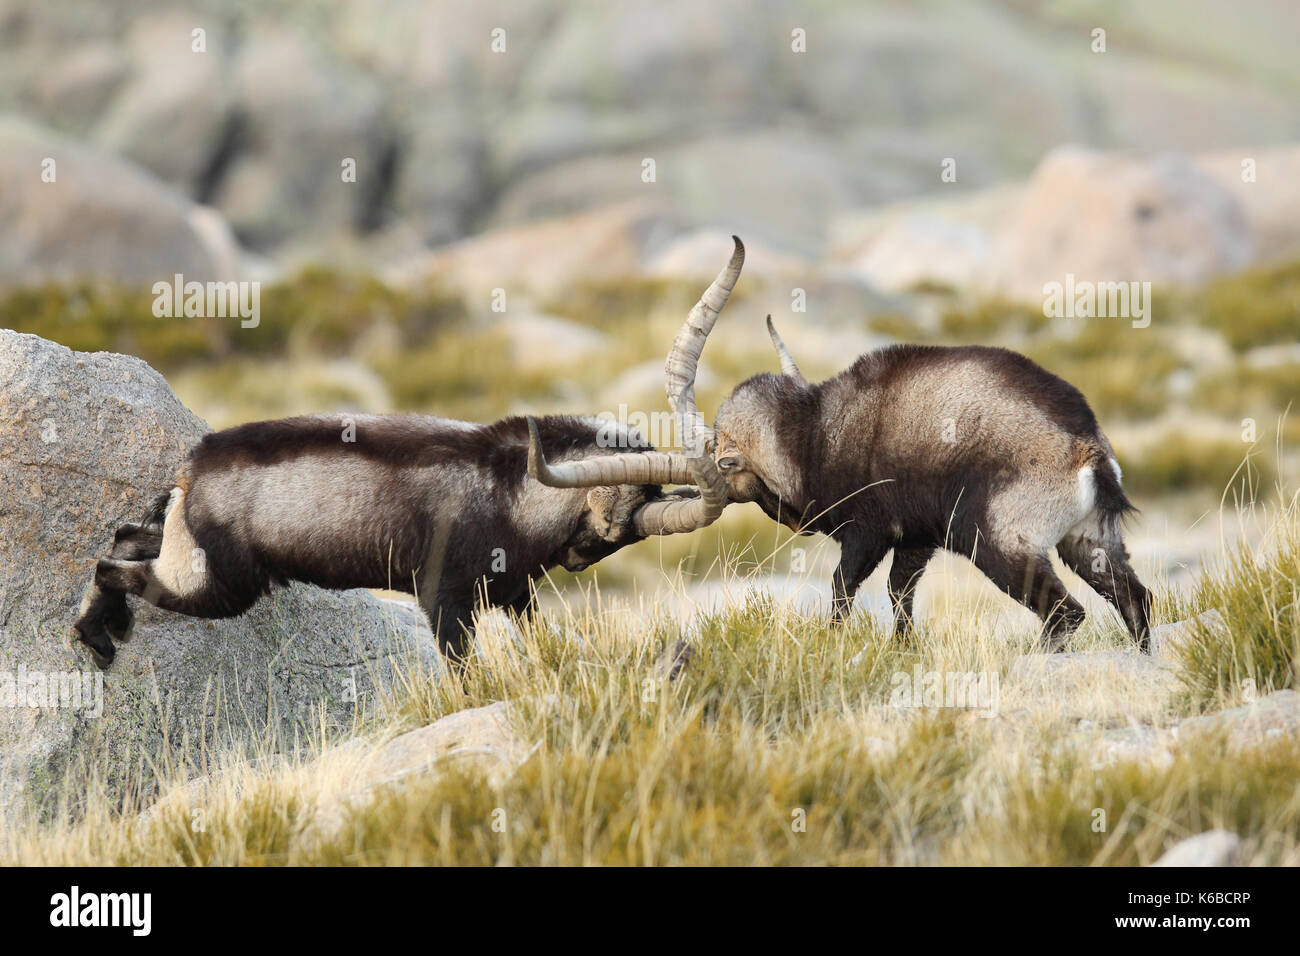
x: 899, y: 171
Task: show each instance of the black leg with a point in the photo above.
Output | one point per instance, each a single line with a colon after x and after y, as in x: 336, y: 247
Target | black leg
x: 1029, y: 579
x: 904, y: 574
x: 104, y: 609
x: 452, y: 621
x: 523, y: 606
x: 1107, y: 570
x: 859, y: 555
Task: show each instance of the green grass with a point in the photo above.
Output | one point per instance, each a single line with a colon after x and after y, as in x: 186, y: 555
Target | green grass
x: 771, y: 749
x: 778, y: 744
x: 317, y: 311
x: 1257, y: 307
x: 426, y: 355
x: 1180, y: 461
x: 1253, y: 645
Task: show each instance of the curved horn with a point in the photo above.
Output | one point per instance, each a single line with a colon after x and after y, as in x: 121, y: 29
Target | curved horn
x: 666, y: 516
x: 632, y: 468
x: 684, y: 358
x: 672, y: 514
x: 788, y: 365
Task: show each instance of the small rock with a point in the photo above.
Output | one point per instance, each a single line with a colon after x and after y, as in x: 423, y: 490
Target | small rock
x: 880, y: 747
x: 543, y: 342
x: 1212, y: 848
x: 480, y: 738
x: 1145, y: 744
x: 1272, y: 716
x: 1167, y: 638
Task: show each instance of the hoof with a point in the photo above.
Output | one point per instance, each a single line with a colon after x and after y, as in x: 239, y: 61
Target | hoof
x: 119, y: 624
x: 102, y: 661
x: 101, y: 648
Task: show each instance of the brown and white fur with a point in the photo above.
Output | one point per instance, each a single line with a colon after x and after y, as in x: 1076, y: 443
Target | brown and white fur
x: 915, y: 448
x: 442, y: 509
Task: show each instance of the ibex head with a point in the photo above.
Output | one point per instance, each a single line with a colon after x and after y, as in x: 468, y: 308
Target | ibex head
x: 750, y: 447
x: 613, y: 518
x: 746, y: 458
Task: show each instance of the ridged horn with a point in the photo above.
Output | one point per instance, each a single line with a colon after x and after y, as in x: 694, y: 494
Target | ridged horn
x: 672, y: 514
x: 631, y: 468
x: 670, y: 517
x: 788, y: 365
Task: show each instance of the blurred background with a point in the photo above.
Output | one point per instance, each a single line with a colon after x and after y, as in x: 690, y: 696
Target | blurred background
x: 542, y: 189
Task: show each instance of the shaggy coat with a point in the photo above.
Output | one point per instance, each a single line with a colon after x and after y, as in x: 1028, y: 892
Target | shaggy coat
x: 914, y: 448
x: 441, y: 509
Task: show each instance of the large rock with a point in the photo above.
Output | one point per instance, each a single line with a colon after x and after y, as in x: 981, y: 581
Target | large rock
x: 1270, y: 718
x: 172, y: 90
x: 1269, y: 191
x: 480, y: 741
x: 547, y: 258
x: 302, y: 114
x: 86, y: 442
x: 450, y: 133
x: 99, y: 216
x: 947, y: 240
x: 1109, y: 217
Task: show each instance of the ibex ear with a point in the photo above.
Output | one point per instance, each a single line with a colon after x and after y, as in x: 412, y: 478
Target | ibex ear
x: 610, y: 511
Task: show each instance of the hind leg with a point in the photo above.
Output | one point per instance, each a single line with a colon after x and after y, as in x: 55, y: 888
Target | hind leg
x: 1030, y: 579
x: 904, y: 574
x: 1105, y: 566
x: 177, y: 578
x: 199, y: 593
x: 104, y: 615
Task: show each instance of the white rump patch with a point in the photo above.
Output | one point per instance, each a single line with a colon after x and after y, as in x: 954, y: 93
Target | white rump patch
x: 1119, y: 475
x: 1086, y: 496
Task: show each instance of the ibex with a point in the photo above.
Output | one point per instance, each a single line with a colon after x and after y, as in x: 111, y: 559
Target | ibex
x: 915, y: 448
x: 439, y: 508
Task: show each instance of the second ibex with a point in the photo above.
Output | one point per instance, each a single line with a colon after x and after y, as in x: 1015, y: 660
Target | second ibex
x: 915, y: 448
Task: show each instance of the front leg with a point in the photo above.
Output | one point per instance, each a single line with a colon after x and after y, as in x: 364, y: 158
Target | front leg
x: 859, y: 555
x: 909, y: 563
x: 452, y: 621
x: 523, y: 607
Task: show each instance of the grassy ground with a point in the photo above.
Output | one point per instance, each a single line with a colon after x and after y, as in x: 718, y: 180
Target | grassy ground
x: 783, y: 741
x: 779, y: 743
